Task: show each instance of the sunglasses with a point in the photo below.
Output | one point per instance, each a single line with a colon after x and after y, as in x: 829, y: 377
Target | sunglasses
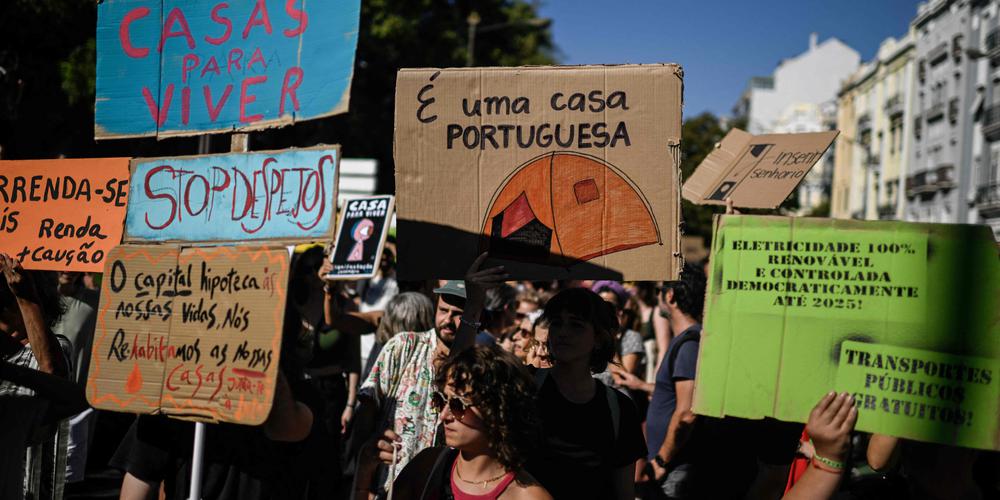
x: 457, y: 404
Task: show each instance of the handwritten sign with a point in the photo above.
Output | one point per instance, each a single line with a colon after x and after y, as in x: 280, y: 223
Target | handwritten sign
x: 187, y: 67
x: 560, y: 172
x: 287, y: 196
x: 364, y: 224
x: 888, y: 311
x: 192, y: 333
x: 755, y: 171
x: 62, y: 214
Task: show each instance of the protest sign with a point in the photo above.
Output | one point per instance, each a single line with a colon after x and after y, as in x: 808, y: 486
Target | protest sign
x: 191, y: 333
x: 558, y: 172
x: 287, y: 196
x: 755, y: 171
x: 903, y: 316
x: 364, y: 224
x: 188, y: 67
x: 63, y: 215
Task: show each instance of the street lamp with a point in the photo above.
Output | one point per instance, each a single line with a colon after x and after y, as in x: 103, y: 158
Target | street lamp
x: 473, y: 21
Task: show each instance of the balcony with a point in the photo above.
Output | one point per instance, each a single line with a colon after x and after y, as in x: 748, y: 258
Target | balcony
x: 887, y: 211
x: 894, y: 106
x: 864, y: 123
x: 991, y: 123
x: 918, y: 126
x: 917, y: 184
x: 935, y: 111
x: 953, y: 111
x: 993, y: 45
x: 938, y: 54
x: 944, y: 177
x: 988, y: 199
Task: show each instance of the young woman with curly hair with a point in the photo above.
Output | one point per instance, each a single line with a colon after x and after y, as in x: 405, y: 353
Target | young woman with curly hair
x: 490, y: 427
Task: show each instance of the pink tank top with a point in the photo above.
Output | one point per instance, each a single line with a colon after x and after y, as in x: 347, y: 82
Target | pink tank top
x: 489, y: 495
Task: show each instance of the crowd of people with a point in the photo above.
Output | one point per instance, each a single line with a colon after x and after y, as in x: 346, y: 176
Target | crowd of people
x: 464, y: 389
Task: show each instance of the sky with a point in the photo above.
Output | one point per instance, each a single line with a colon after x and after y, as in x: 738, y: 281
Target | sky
x: 720, y: 44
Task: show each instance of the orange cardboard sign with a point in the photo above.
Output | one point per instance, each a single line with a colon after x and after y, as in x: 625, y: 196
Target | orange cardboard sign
x: 63, y: 215
x: 192, y: 333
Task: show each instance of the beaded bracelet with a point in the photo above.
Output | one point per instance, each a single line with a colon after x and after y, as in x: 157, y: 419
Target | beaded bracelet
x: 825, y: 468
x: 826, y: 461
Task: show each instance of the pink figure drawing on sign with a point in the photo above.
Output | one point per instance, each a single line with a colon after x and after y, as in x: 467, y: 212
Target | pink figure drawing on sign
x: 362, y: 231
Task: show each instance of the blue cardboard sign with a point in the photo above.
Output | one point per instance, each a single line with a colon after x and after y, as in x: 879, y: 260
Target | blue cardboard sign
x: 188, y: 67
x: 288, y: 196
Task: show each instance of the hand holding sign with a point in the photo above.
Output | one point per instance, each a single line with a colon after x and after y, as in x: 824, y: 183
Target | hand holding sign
x: 830, y: 425
x: 477, y: 281
x: 20, y: 283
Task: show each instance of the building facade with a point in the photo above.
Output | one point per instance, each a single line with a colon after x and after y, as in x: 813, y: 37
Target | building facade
x: 920, y: 124
x: 940, y: 161
x: 874, y: 145
x: 985, y: 189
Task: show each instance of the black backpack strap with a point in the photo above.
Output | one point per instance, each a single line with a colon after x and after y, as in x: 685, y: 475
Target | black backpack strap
x: 673, y: 354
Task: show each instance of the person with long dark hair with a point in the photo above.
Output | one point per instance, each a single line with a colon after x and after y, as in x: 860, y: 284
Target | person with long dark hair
x: 489, y: 429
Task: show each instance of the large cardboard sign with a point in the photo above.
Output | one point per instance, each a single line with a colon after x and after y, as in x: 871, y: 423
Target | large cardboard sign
x: 755, y: 171
x: 288, y: 196
x: 187, y: 67
x: 558, y: 172
x: 904, y: 316
x: 191, y: 333
x: 63, y: 215
x: 364, y: 224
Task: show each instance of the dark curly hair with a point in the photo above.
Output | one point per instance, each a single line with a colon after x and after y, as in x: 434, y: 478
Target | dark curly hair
x: 47, y: 289
x: 689, y: 292
x: 595, y: 310
x: 503, y: 391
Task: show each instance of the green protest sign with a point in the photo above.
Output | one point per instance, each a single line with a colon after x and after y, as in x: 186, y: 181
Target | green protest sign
x: 789, y: 298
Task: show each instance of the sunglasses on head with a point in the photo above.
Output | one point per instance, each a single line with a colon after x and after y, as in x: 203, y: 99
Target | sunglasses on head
x: 457, y: 404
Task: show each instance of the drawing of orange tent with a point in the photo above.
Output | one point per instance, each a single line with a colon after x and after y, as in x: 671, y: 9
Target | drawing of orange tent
x: 563, y: 207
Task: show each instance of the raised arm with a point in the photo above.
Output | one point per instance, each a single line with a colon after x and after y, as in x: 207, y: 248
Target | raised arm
x: 43, y: 342
x: 477, y: 281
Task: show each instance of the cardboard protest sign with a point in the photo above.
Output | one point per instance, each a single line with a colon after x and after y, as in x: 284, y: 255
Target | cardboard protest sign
x: 755, y: 171
x: 187, y: 67
x: 903, y: 316
x: 558, y: 172
x: 63, y: 215
x: 364, y: 224
x: 286, y: 196
x: 191, y: 333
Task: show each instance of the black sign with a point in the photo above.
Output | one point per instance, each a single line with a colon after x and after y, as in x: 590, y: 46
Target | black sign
x: 361, y: 236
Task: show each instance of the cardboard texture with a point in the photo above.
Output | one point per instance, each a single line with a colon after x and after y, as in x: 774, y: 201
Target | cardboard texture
x: 191, y: 333
x: 363, y: 227
x: 797, y: 307
x: 187, y: 67
x: 559, y: 172
x: 755, y: 171
x: 62, y: 215
x: 287, y: 196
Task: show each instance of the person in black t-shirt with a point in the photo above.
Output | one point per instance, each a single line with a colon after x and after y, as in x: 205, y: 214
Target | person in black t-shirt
x: 592, y: 434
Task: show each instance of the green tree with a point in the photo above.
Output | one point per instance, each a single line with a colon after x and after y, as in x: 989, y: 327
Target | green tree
x: 698, y: 138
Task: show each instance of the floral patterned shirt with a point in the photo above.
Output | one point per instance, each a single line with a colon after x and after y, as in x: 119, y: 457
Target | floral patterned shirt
x: 401, y: 382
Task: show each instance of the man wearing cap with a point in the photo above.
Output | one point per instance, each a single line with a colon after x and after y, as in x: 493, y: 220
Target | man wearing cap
x: 399, y: 387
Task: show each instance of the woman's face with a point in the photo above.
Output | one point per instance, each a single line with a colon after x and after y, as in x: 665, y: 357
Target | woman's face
x: 571, y: 338
x: 463, y: 430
